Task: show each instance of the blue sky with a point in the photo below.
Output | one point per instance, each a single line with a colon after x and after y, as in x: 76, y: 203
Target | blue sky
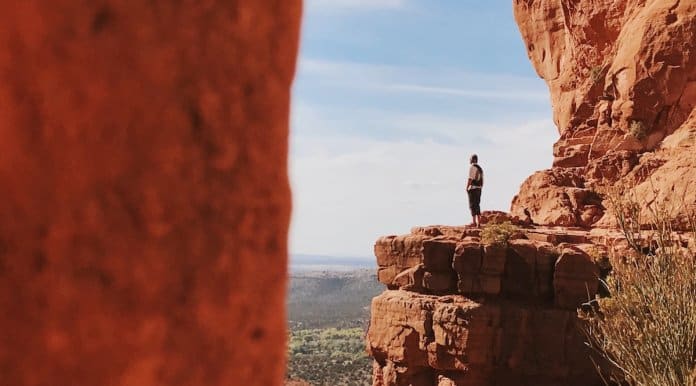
x: 391, y: 98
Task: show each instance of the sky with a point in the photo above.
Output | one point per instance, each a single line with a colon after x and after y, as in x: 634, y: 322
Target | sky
x: 390, y: 99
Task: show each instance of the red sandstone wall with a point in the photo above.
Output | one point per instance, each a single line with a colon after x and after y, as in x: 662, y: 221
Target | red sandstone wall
x: 622, y: 79
x: 145, y: 201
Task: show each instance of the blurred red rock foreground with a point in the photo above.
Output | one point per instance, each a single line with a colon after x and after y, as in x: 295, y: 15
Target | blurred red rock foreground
x: 145, y: 200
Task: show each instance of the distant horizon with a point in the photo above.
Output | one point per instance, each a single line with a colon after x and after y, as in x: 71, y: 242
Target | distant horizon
x: 300, y: 263
x: 391, y: 98
x: 315, y: 256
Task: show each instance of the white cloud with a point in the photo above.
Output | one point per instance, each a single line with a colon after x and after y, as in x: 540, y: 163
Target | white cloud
x: 480, y: 94
x: 365, y: 168
x: 510, y: 126
x: 442, y: 81
x: 348, y: 191
x: 355, y: 4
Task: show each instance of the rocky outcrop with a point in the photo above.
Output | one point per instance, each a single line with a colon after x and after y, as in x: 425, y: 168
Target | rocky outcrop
x: 450, y: 340
x: 622, y: 78
x: 145, y: 199
x: 458, y: 312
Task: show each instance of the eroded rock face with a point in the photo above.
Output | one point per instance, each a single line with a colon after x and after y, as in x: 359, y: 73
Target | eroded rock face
x: 450, y: 340
x: 462, y: 313
x: 622, y: 78
x: 145, y: 200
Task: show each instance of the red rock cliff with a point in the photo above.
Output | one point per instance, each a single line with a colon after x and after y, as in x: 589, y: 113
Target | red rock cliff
x: 622, y: 78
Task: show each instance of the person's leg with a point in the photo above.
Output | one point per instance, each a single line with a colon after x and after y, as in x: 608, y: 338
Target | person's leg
x: 472, y: 207
x: 476, y: 210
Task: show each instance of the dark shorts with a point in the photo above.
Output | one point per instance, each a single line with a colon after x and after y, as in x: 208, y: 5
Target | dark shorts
x: 475, y: 201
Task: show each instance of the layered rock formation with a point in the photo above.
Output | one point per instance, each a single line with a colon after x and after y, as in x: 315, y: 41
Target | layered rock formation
x: 143, y: 164
x: 622, y: 78
x: 458, y: 312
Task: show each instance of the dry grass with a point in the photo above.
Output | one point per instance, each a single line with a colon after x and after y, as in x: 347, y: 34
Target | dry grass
x: 647, y: 326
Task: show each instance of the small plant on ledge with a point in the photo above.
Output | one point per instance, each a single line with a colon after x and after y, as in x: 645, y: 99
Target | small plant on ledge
x: 596, y: 73
x: 498, y: 233
x: 638, y: 130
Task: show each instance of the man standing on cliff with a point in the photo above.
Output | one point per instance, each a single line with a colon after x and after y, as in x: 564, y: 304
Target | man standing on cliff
x: 473, y: 189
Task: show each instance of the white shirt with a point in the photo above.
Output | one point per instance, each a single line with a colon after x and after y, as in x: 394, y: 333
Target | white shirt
x: 475, y: 174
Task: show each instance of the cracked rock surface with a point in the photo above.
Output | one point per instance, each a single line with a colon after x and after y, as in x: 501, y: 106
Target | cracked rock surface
x: 622, y: 80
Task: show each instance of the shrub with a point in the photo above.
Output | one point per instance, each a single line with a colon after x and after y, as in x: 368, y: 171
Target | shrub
x: 599, y: 257
x: 596, y: 73
x: 646, y: 327
x: 498, y: 233
x: 638, y: 129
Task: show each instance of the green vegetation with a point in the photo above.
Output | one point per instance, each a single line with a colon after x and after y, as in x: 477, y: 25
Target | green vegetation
x: 646, y: 327
x: 331, y: 299
x: 327, y: 318
x: 600, y: 258
x: 329, y: 356
x: 638, y: 130
x: 596, y: 73
x: 498, y: 233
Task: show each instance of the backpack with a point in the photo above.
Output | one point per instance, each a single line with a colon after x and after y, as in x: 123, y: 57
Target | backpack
x: 479, y: 181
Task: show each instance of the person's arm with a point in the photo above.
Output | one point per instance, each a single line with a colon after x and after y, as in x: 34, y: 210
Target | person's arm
x: 470, y: 179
